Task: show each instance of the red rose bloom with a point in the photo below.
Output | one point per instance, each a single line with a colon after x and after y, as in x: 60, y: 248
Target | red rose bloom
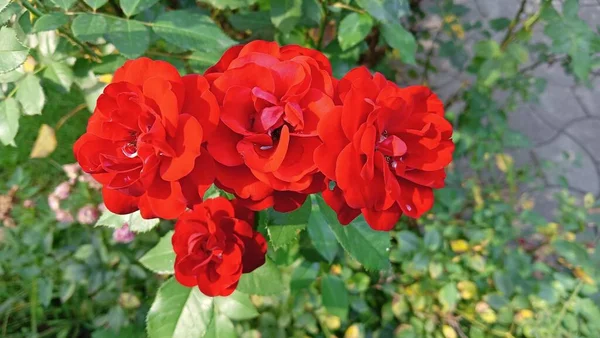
x: 271, y: 100
x: 214, y: 244
x: 385, y: 147
x: 143, y: 141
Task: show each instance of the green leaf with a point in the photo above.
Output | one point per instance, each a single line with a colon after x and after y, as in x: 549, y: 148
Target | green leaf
x: 385, y: 10
x: 191, y: 30
x: 132, y: 7
x: 130, y: 37
x: 64, y: 4
x: 499, y: 24
x: 201, y: 61
x: 366, y: 245
x: 220, y: 327
x: 254, y: 21
x: 30, y: 95
x: 12, y: 52
x: 335, y: 296
x: 139, y: 224
x: 400, y: 39
x: 50, y: 22
x: 95, y: 4
x: 231, y: 4
x: 134, y: 220
x: 304, y: 275
x: 3, y: 4
x: 503, y: 283
x: 9, y: 121
x: 179, y: 312
x: 283, y: 228
x: 323, y: 239
x: 408, y: 242
x: 448, y: 297
x: 89, y: 27
x: 285, y: 14
x: 433, y: 239
x: 236, y: 306
x: 161, y: 258
x: 263, y: 281
x: 60, y: 73
x: 353, y: 29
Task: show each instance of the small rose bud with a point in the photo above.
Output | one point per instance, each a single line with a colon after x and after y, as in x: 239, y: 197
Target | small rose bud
x: 101, y: 207
x: 62, y: 190
x: 90, y: 181
x: 123, y: 234
x: 87, y: 214
x: 54, y: 202
x: 64, y: 216
x: 28, y: 204
x: 72, y: 171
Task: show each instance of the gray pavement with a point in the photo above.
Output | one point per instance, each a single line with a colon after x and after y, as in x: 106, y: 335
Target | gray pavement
x: 564, y: 127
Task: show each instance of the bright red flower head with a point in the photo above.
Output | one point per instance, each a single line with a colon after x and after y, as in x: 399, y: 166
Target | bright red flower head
x: 214, y: 244
x: 385, y: 147
x: 271, y: 99
x: 144, y: 140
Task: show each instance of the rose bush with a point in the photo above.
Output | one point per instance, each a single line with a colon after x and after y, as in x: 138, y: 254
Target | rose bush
x: 215, y: 243
x: 271, y: 100
x: 144, y: 141
x: 385, y: 147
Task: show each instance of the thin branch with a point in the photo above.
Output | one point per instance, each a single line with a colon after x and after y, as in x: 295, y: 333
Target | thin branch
x: 69, y: 115
x: 323, y: 26
x: 513, y: 25
x: 425, y: 77
x: 350, y: 8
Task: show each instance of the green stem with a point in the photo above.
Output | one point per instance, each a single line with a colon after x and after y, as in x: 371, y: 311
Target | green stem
x: 322, y: 27
x: 513, y: 25
x: 563, y: 310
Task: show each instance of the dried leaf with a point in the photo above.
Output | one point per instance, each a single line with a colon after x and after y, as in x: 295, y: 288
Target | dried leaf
x: 45, y: 143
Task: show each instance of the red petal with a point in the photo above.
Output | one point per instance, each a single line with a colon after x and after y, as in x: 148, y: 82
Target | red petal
x: 335, y: 199
x: 383, y: 220
x: 201, y: 103
x: 223, y: 146
x: 265, y: 160
x: 187, y: 148
x: 119, y: 203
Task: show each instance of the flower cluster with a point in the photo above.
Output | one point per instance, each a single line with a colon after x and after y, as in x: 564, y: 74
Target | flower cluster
x: 269, y: 125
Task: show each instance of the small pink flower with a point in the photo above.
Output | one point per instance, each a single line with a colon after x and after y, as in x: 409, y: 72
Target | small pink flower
x: 72, y: 171
x: 91, y: 182
x: 87, y: 214
x: 62, y: 190
x: 28, y: 204
x: 54, y: 202
x: 101, y: 207
x: 64, y: 216
x: 123, y: 234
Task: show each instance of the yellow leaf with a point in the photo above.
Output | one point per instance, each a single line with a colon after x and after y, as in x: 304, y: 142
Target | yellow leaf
x: 129, y: 300
x: 336, y: 269
x: 353, y: 332
x: 449, y: 332
x: 449, y: 18
x: 333, y: 322
x: 570, y: 237
x: 504, y: 162
x: 458, y: 30
x: 45, y: 143
x: 477, y: 196
x: 459, y: 245
x: 583, y: 276
x: 488, y: 316
x: 106, y: 78
x: 29, y: 65
x: 588, y: 200
x: 468, y: 289
x: 523, y: 315
x: 528, y: 204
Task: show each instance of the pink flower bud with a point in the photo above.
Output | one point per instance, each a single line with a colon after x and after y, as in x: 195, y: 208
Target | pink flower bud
x: 53, y: 202
x: 87, y: 214
x: 72, y: 170
x: 91, y: 182
x: 101, y: 207
x: 123, y: 234
x: 62, y: 190
x: 28, y: 204
x: 64, y: 216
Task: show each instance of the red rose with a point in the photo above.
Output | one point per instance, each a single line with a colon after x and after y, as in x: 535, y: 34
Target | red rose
x: 385, y: 147
x: 271, y: 100
x: 143, y: 141
x: 214, y: 244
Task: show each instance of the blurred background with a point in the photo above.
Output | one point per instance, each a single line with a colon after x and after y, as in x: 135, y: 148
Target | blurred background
x: 509, y: 250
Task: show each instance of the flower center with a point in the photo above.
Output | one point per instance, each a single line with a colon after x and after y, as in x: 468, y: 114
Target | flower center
x: 391, y: 147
